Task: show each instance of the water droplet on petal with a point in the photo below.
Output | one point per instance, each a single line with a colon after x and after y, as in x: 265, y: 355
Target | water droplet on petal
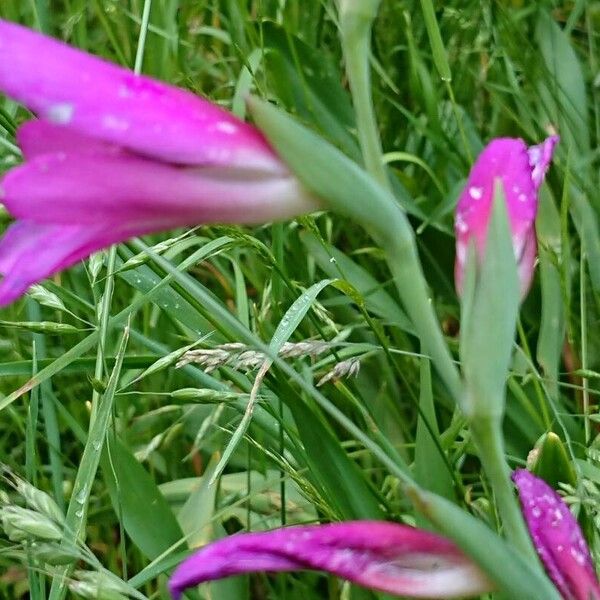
x: 226, y: 127
x: 60, y: 113
x: 461, y: 226
x: 115, y: 123
x: 578, y: 556
x: 476, y: 192
x: 124, y: 92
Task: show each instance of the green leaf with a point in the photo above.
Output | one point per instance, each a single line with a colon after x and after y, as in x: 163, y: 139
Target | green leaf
x: 552, y: 324
x: 294, y: 315
x: 336, y: 264
x: 341, y: 481
x: 431, y: 469
x: 78, y: 506
x: 435, y: 39
x: 588, y: 227
x: 145, y: 279
x: 137, y: 501
x: 309, y: 83
x: 196, y: 515
x: 563, y: 85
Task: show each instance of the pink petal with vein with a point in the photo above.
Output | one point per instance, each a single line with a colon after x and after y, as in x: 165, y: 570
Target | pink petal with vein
x: 391, y: 558
x: 71, y: 88
x: 557, y: 538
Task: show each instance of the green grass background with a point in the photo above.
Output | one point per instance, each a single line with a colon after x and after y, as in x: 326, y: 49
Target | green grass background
x: 517, y: 69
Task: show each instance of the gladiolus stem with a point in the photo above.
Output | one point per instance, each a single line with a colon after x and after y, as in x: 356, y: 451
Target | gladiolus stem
x: 487, y: 435
x: 139, y: 55
x: 411, y: 284
x: 345, y: 188
x: 103, y: 323
x: 356, y: 20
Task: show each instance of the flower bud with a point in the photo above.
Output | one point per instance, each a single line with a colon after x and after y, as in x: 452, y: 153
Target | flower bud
x: 521, y: 171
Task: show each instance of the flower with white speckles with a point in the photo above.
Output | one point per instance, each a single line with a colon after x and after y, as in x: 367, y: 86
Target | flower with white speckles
x: 521, y: 171
x: 113, y: 155
x: 557, y: 538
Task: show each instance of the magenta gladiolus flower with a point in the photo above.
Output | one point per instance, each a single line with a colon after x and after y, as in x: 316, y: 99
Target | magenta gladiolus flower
x: 521, y: 171
x: 392, y: 558
x: 115, y: 155
x: 399, y: 559
x: 557, y: 538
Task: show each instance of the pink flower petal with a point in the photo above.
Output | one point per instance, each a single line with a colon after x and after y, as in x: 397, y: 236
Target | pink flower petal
x: 30, y: 252
x: 557, y: 538
x: 71, y: 204
x: 391, y: 558
x: 40, y: 137
x: 540, y: 157
x: 113, y: 190
x: 71, y: 88
x: 521, y: 171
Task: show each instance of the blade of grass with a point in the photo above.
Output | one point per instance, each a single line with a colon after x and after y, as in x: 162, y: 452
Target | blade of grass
x: 86, y: 473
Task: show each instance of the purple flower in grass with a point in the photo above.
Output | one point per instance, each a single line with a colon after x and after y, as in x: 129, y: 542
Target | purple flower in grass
x: 557, y: 538
x: 391, y: 558
x: 521, y: 171
x: 399, y: 559
x: 114, y: 155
